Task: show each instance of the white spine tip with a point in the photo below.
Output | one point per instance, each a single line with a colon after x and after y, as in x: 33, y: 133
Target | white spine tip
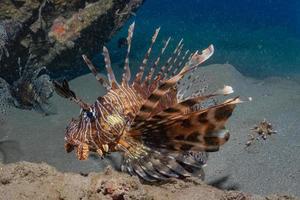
x: 250, y: 98
x: 105, y: 147
x: 226, y: 90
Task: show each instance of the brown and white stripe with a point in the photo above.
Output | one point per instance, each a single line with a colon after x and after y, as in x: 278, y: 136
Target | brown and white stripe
x: 127, y: 74
x: 139, y: 75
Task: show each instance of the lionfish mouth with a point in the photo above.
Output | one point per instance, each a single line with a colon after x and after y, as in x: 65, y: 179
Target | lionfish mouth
x: 160, y: 134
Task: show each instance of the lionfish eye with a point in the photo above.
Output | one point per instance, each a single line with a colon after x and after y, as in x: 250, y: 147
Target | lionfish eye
x: 90, y: 115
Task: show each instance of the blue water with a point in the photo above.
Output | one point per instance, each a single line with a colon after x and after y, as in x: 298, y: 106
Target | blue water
x: 260, y: 38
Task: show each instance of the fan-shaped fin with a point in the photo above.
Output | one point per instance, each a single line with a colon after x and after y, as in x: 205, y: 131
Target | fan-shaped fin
x: 186, y: 106
x: 127, y: 74
x: 201, y: 130
x: 100, y: 78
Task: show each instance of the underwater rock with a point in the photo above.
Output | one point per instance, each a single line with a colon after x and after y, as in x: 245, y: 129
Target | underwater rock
x: 54, y: 34
x: 5, y: 99
x: 26, y: 180
x: 5, y: 96
x: 3, y: 41
x: 9, y: 30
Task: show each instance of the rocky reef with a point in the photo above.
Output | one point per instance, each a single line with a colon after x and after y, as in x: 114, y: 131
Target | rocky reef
x: 52, y: 34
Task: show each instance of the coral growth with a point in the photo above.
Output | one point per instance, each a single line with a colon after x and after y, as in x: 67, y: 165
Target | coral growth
x: 59, y: 30
x: 262, y: 130
x: 64, y: 30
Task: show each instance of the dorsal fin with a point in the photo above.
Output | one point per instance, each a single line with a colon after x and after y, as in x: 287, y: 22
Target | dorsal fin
x: 180, y: 63
x: 100, y: 78
x: 110, y: 73
x: 190, y: 56
x: 168, y: 62
x: 139, y: 75
x: 174, y: 61
x: 153, y: 100
x: 127, y: 74
x: 197, y: 59
x: 155, y: 64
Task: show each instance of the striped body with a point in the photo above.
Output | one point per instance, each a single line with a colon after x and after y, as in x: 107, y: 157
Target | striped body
x: 159, y: 134
x: 105, y: 122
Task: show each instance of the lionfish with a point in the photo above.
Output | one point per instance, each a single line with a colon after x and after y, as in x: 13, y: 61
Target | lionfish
x: 159, y: 135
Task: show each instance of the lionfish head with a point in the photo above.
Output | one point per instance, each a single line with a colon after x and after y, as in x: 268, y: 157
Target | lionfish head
x: 92, y: 123
x: 85, y: 123
x: 80, y: 131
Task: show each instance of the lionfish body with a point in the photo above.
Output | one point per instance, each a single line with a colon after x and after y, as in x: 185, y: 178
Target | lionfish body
x: 160, y: 135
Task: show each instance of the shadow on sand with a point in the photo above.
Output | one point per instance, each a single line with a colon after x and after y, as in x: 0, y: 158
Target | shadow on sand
x: 221, y: 183
x: 10, y: 151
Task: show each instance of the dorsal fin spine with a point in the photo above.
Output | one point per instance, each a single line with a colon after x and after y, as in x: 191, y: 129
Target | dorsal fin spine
x: 127, y: 74
x: 110, y: 73
x: 101, y: 79
x: 139, y: 75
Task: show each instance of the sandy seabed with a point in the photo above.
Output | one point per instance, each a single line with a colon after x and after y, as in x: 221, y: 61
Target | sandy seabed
x: 26, y: 180
x: 266, y: 167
